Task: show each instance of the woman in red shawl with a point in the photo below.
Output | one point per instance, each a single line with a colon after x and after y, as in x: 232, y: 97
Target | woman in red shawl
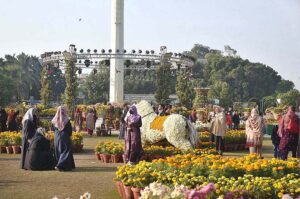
x: 133, y: 143
x: 62, y: 140
x: 289, y: 133
x: 12, y: 121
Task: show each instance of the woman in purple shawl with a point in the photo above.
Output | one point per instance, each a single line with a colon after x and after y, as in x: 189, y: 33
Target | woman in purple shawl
x: 133, y: 144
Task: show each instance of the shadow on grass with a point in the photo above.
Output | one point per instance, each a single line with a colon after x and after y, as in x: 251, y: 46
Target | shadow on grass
x: 95, y: 169
x: 6, y: 183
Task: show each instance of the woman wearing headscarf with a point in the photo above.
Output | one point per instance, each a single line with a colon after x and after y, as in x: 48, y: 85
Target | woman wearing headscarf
x: 29, y: 126
x: 218, y: 129
x: 12, y: 121
x: 62, y: 141
x: 289, y: 133
x: 78, y: 120
x: 133, y: 143
x: 39, y: 156
x: 254, y: 132
x: 90, y: 122
x: 3, y: 119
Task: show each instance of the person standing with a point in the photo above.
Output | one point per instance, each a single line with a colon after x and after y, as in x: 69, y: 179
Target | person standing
x: 3, y: 119
x: 228, y: 120
x: 12, y: 121
x: 218, y: 129
x: 123, y: 122
x: 289, y: 133
x: 254, y: 132
x: 64, y: 160
x: 78, y: 120
x: 133, y: 143
x: 236, y: 121
x: 29, y: 126
x: 90, y: 122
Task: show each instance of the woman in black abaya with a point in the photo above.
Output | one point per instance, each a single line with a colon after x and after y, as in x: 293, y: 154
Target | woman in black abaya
x: 29, y: 128
x: 62, y: 141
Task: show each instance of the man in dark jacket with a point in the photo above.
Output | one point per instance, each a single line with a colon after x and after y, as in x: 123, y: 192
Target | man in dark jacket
x: 3, y: 119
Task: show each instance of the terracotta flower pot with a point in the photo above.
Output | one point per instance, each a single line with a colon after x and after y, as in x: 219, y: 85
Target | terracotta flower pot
x: 98, y: 156
x: 16, y: 149
x: 9, y: 150
x: 136, y: 192
x: 116, y: 158
x: 101, y: 157
x: 3, y: 149
x: 122, y: 189
x: 128, y: 192
x: 106, y: 158
x: 118, y: 185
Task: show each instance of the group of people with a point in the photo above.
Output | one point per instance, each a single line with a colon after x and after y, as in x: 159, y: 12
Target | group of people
x: 90, y: 117
x: 8, y: 122
x: 285, y: 138
x: 36, y: 151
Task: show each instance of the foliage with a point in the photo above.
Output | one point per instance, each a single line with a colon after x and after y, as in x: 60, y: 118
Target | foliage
x: 96, y: 87
x: 163, y: 83
x: 71, y: 88
x: 289, y: 98
x: 232, y: 78
x: 52, y: 83
x: 20, y: 77
x: 185, y: 89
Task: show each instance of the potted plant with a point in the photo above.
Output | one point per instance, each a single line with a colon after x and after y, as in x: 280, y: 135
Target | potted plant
x: 16, y: 144
x: 3, y: 144
x: 116, y: 154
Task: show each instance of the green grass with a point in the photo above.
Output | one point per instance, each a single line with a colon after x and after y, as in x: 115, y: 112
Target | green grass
x: 89, y: 176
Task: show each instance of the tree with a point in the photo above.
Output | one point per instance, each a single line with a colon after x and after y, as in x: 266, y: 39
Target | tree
x: 7, y: 89
x: 185, y: 89
x: 96, y: 87
x: 163, y: 83
x: 71, y: 86
x: 45, y: 86
x: 289, y: 98
x: 284, y: 86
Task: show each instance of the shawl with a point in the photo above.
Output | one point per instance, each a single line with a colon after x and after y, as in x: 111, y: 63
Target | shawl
x: 254, y: 122
x: 285, y: 120
x: 61, y: 118
x: 29, y: 115
x: 134, y: 116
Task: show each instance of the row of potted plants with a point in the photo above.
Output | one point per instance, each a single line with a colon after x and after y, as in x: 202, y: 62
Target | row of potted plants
x: 10, y: 142
x: 113, y: 152
x: 232, y: 177
x: 234, y: 140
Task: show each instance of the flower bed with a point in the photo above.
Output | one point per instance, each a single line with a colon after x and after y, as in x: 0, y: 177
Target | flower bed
x: 236, y: 176
x: 110, y: 149
x: 234, y: 140
x: 10, y: 142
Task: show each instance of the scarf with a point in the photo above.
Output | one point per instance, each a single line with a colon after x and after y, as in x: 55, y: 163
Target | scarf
x: 254, y: 121
x: 29, y: 115
x: 61, y: 118
x: 134, y: 116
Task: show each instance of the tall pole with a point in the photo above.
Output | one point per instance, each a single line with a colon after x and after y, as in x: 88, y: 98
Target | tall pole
x: 116, y: 87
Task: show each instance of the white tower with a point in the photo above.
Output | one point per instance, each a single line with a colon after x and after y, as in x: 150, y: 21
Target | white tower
x: 116, y: 87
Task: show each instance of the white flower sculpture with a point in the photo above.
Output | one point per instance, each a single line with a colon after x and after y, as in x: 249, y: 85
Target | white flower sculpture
x: 176, y: 129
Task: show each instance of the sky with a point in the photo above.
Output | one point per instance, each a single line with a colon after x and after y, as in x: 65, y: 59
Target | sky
x: 265, y: 31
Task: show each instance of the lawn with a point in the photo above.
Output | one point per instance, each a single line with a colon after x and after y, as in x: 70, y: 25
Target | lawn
x: 89, y: 176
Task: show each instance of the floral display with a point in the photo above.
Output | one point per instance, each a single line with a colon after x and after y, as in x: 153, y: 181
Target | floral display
x: 174, y: 128
x: 10, y: 138
x: 10, y: 142
x: 114, y: 148
x: 157, y: 190
x: 258, y: 178
x: 158, y: 122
